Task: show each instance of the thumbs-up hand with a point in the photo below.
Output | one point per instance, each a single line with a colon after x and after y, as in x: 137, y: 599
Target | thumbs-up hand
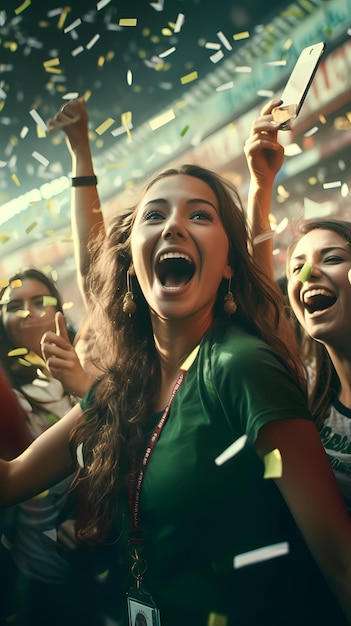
x: 62, y: 360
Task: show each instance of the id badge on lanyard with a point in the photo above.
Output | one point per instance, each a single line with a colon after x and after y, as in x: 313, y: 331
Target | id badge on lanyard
x: 142, y: 610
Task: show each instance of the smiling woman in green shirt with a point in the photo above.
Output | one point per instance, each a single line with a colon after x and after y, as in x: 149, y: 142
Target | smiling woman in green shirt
x: 146, y: 438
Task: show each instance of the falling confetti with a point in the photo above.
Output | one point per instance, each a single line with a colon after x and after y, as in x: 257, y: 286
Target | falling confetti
x: 162, y: 119
x: 261, y: 554
x: 273, y: 466
x: 233, y: 449
x: 188, y: 78
x: 305, y: 272
x: 80, y: 455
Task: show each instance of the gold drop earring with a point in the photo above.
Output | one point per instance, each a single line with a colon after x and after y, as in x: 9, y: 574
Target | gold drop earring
x: 129, y: 306
x: 230, y: 305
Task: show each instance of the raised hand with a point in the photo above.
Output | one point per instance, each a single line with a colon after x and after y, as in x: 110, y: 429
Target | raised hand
x: 62, y: 359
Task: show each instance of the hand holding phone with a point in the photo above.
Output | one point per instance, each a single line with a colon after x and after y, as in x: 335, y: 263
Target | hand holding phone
x: 297, y: 87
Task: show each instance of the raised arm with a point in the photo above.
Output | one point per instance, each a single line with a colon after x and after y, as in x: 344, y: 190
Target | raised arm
x: 264, y: 155
x: 310, y: 490
x: 44, y: 463
x: 86, y: 215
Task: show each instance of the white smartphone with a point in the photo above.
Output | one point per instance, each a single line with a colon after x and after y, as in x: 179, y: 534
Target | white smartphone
x: 296, y: 89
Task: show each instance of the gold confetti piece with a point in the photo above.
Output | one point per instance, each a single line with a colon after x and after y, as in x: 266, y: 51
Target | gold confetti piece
x: 15, y: 180
x: 24, y: 362
x: 188, y: 78
x: 4, y: 282
x: 162, y: 119
x: 40, y: 133
x: 273, y: 465
x: 215, y: 619
x: 23, y: 6
x: 243, y: 35
x: 18, y: 352
x: 41, y: 495
x: 185, y: 130
x: 31, y: 227
x: 232, y: 450
x: 22, y: 313
x: 100, y: 130
x: 126, y: 121
x: 67, y: 305
x: 63, y: 17
x: 190, y: 359
x: 305, y: 272
x: 322, y: 119
x: 35, y: 359
x: 127, y: 21
x: 15, y: 284
x: 52, y: 62
x: 4, y: 238
x: 49, y: 301
x: 80, y: 455
x: 53, y: 70
x: 103, y: 575
x: 261, y: 554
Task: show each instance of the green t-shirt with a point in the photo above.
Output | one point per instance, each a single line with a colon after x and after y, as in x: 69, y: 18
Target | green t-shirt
x: 197, y: 516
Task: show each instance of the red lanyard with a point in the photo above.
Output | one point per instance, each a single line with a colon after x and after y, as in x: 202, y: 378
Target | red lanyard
x: 134, y: 498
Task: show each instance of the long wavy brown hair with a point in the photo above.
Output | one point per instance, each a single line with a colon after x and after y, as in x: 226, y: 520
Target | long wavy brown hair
x: 324, y: 383
x: 115, y: 428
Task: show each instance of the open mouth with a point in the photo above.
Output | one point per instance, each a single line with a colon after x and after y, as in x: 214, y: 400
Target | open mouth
x: 174, y: 270
x: 318, y: 300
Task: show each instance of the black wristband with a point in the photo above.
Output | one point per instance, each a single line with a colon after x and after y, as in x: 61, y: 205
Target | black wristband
x: 81, y: 181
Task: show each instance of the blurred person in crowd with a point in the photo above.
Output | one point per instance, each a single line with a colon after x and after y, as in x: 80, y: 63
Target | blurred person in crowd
x: 35, y: 578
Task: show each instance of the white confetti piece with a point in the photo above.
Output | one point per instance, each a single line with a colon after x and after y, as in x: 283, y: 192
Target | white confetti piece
x: 243, y: 69
x: 179, y: 22
x: 101, y: 5
x: 311, y: 132
x: 222, y: 38
x: 51, y: 534
x: 261, y: 554
x: 332, y: 185
x: 158, y: 6
x: 217, y: 56
x: 92, y: 41
x: 72, y: 95
x: 129, y: 77
x: 225, y: 86
x: 166, y: 53
x: 121, y: 129
x: 39, y: 120
x: 72, y: 26
x: 349, y: 276
x: 265, y: 93
x: 24, y: 132
x: 268, y: 234
x: 77, y: 51
x: 80, y: 458
x: 292, y: 149
x: 39, y: 157
x: 211, y: 45
x: 231, y: 451
x: 162, y: 119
